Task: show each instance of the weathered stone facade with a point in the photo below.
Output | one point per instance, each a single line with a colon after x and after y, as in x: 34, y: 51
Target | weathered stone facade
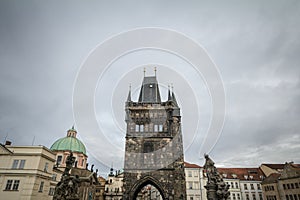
x: 154, y: 151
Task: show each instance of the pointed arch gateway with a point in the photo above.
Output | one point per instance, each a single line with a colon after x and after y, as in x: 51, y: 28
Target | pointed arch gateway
x: 148, y: 180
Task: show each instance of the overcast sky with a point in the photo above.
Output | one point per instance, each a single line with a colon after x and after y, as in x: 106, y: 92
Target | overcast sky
x: 255, y: 46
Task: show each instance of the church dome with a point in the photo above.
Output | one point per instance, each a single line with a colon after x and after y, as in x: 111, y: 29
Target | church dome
x: 69, y: 143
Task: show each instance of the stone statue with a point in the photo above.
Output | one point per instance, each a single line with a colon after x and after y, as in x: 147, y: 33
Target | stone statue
x: 216, y: 188
x: 67, y: 188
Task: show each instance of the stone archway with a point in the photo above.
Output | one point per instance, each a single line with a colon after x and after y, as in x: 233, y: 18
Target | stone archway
x: 148, y: 180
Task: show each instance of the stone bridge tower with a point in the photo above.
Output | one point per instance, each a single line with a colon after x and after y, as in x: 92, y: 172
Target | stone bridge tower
x: 153, y: 150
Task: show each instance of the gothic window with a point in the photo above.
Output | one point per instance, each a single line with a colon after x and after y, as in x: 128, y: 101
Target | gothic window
x: 137, y: 128
x: 148, y: 147
x: 160, y: 128
x: 142, y: 128
x: 155, y: 128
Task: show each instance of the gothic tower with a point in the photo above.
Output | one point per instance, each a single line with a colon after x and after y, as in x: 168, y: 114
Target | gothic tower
x: 153, y: 150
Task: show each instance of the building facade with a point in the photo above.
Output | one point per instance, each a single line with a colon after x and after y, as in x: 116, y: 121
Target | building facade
x: 26, y: 172
x: 282, y: 182
x: 153, y: 149
x: 245, y: 183
x: 194, y: 182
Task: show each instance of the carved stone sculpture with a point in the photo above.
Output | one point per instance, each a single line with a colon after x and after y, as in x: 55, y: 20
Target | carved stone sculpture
x: 216, y: 188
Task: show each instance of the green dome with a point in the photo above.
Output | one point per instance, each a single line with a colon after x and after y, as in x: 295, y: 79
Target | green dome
x: 68, y: 143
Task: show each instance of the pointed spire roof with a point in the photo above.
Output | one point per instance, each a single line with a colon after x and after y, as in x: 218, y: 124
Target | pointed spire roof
x: 129, y: 95
x: 149, y: 91
x: 174, y: 99
x: 169, y: 94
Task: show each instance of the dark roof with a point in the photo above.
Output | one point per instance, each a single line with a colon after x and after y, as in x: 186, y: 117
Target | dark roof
x: 149, y: 91
x: 241, y: 173
x: 190, y: 165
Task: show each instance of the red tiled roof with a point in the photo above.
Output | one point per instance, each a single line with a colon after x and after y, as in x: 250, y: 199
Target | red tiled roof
x: 190, y: 165
x: 241, y: 173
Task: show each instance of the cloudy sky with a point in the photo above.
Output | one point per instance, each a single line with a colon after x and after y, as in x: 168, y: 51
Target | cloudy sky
x: 254, y: 44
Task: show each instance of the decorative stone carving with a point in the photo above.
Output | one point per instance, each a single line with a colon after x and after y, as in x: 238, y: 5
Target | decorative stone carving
x: 216, y: 188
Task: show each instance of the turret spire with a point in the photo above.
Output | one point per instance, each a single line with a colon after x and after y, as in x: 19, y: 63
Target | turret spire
x: 129, y: 94
x: 169, y: 94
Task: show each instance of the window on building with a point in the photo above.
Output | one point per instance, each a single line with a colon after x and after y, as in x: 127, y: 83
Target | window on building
x: 287, y: 197
x: 41, y: 186
x: 189, y: 173
x: 148, y: 147
x: 195, y: 173
x: 22, y: 164
x: 295, y: 197
x: 8, y: 184
x: 190, y: 185
x: 160, y: 128
x: 15, y: 164
x: 238, y: 196
x: 296, y: 185
x: 233, y: 196
x: 291, y: 197
x: 137, y: 128
x: 247, y: 196
x: 288, y: 186
x: 236, y: 185
x: 245, y: 186
x: 46, y: 167
x: 155, y: 128
x: 142, y: 128
x: 252, y: 186
x: 196, y: 185
x: 258, y: 186
x: 292, y: 185
x: 54, y: 176
x: 51, y: 191
x: 253, y: 196
x: 260, y: 196
x: 12, y: 185
x: 16, y: 185
x: 191, y: 198
x: 59, y: 159
x: 231, y: 184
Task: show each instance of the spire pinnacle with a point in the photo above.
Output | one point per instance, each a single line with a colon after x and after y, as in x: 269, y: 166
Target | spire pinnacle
x: 144, y: 71
x: 155, y: 71
x: 169, y: 94
x: 129, y: 94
